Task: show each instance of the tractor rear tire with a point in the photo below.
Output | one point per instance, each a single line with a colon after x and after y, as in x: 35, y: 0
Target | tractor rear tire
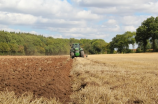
x: 72, y: 55
x: 82, y: 53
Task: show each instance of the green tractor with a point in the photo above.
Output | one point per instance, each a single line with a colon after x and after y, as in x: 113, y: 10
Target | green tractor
x: 76, y: 50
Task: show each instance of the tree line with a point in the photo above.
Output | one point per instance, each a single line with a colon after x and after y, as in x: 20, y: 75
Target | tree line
x: 146, y: 37
x: 12, y: 43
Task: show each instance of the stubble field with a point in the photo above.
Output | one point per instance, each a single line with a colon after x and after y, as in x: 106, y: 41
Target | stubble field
x: 98, y: 79
x: 116, y: 79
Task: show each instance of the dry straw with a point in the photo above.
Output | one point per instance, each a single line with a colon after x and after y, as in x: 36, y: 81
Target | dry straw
x: 116, y: 79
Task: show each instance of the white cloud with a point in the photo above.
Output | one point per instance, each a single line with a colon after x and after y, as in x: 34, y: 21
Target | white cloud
x: 83, y: 30
x: 89, y: 36
x: 130, y: 28
x: 104, y: 3
x: 109, y: 10
x: 117, y: 28
x: 6, y: 28
x: 120, y: 7
x: 80, y: 19
x: 46, y: 9
x: 33, y: 32
x: 17, y: 18
x: 112, y: 21
x: 87, y: 15
x: 132, y: 20
x: 40, y: 7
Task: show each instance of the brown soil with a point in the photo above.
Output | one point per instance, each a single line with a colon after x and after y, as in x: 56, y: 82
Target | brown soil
x: 43, y: 76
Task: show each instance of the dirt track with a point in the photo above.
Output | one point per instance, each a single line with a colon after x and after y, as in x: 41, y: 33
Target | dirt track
x: 43, y: 76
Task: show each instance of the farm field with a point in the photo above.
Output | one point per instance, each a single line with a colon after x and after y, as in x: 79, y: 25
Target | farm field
x: 34, y: 77
x: 97, y: 79
x: 116, y: 79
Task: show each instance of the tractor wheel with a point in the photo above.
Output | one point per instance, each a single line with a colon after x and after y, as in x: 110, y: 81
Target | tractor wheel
x: 82, y: 53
x: 72, y: 55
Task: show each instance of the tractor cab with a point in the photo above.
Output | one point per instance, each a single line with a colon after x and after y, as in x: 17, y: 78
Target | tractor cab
x: 75, y: 45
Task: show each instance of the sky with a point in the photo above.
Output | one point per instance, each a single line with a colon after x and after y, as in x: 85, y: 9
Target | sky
x: 88, y: 19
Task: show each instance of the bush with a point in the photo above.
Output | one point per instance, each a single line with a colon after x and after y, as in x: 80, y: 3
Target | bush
x: 138, y: 50
x: 128, y: 51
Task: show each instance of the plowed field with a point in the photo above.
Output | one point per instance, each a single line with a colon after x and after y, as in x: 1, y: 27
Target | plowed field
x: 43, y: 76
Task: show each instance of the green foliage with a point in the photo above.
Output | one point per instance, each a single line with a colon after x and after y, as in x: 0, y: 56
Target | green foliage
x: 148, y: 30
x: 13, y: 48
x: 4, y: 48
x: 98, y: 46
x: 5, y: 37
x: 30, y: 49
x: 95, y: 46
x: 12, y: 43
x: 121, y: 42
x: 73, y: 40
x: 138, y: 50
x: 20, y: 49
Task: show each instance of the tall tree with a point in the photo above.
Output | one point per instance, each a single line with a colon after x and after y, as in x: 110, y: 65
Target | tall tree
x: 142, y: 36
x: 148, y: 30
x: 154, y: 32
x: 130, y: 36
